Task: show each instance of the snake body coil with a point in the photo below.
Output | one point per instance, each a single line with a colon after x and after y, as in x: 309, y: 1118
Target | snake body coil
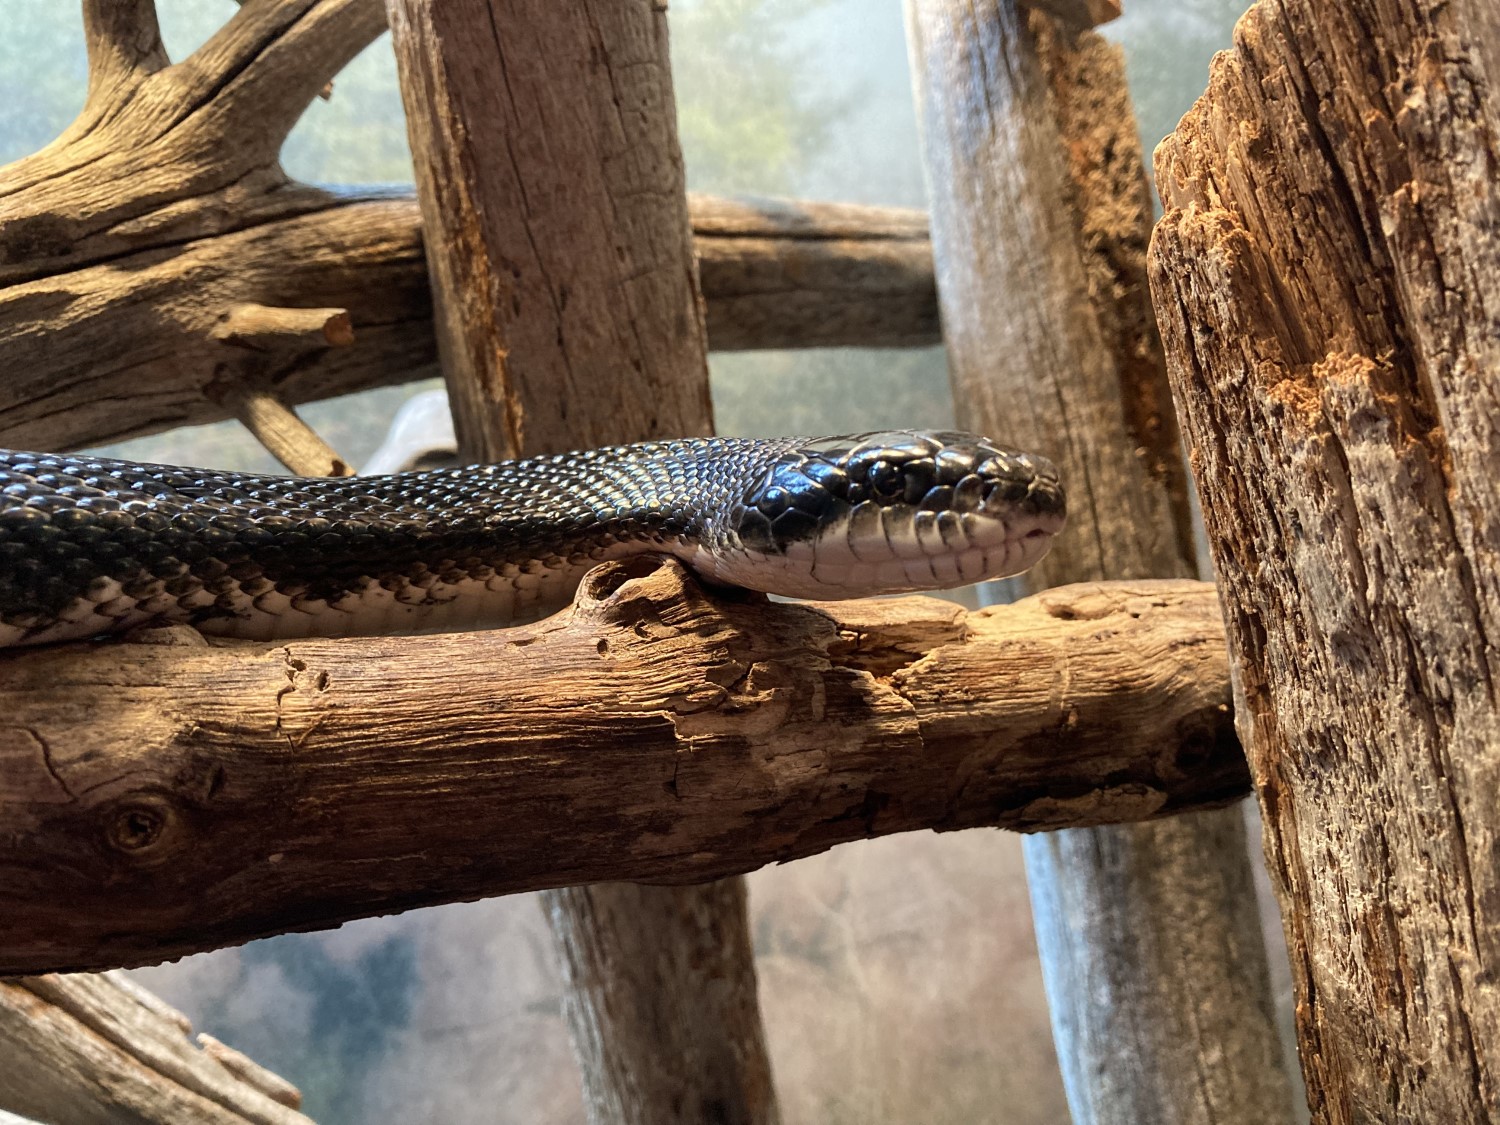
x: 91, y: 546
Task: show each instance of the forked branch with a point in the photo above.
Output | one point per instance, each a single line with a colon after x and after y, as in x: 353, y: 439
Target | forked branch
x: 124, y: 47
x: 168, y: 153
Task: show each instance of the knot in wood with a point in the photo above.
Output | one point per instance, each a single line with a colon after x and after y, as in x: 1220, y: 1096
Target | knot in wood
x: 141, y: 827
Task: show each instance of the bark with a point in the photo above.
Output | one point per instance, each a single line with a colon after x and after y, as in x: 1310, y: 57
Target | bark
x: 1077, y: 13
x: 1328, y: 275
x: 1153, y: 956
x: 568, y: 315
x: 78, y: 345
x: 100, y: 1050
x: 131, y: 248
x: 166, y: 798
x: 793, y: 274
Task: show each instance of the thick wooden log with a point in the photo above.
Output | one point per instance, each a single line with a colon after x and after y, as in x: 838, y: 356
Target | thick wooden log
x: 568, y: 314
x: 161, y: 799
x: 100, y: 1050
x: 1152, y: 951
x: 1328, y: 279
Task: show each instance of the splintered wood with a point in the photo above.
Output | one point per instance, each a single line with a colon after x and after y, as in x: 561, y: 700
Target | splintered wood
x: 1327, y: 278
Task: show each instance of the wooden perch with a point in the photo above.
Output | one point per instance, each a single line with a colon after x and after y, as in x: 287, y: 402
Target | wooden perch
x: 123, y: 243
x: 1327, y: 276
x: 99, y: 1050
x: 163, y: 799
x: 569, y: 314
x: 791, y: 274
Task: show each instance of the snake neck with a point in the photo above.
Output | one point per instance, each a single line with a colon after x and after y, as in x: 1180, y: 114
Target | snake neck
x: 264, y: 556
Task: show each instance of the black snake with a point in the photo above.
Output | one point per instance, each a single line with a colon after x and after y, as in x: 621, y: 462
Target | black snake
x: 91, y: 546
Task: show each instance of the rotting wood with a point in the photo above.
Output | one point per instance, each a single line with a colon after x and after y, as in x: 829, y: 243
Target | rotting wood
x: 1040, y: 232
x: 100, y: 1050
x: 1078, y: 13
x: 167, y: 798
x: 1328, y: 278
x: 568, y: 314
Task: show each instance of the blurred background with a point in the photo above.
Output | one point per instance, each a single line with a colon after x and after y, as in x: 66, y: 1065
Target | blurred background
x: 899, y: 977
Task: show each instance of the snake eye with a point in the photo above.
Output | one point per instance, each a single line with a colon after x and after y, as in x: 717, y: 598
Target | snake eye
x: 885, y: 480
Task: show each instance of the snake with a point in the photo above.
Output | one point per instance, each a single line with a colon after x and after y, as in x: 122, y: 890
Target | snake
x: 91, y: 547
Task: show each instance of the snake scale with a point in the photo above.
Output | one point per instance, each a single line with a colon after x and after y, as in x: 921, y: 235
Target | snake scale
x: 91, y: 546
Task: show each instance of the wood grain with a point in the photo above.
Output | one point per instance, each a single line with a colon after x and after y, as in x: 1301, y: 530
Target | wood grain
x: 568, y: 315
x: 1328, y: 275
x: 1040, y: 217
x: 166, y: 798
x: 99, y: 1050
x: 79, y: 344
x: 130, y: 246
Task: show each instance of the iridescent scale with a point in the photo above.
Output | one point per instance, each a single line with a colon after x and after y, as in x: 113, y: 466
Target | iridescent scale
x: 90, y: 546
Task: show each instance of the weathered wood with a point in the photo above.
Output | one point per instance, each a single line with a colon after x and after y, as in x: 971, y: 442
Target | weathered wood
x: 164, y: 154
x: 162, y: 799
x: 1150, y: 945
x: 556, y: 222
x: 77, y: 345
x: 1077, y: 13
x: 611, y: 933
x: 285, y: 436
x: 99, y: 1050
x: 568, y: 314
x: 126, y: 244
x: 1328, y: 278
x: 796, y: 274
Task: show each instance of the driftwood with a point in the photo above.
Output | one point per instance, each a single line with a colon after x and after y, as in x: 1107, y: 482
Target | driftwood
x: 133, y: 249
x: 569, y: 315
x: 100, y: 1050
x: 1328, y: 279
x: 162, y: 799
x: 1149, y: 939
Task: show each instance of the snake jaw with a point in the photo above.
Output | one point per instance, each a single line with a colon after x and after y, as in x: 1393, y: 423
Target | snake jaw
x: 889, y: 513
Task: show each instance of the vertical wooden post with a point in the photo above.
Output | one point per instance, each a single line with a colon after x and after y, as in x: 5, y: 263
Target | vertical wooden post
x: 1328, y: 277
x: 568, y: 316
x: 1154, y: 960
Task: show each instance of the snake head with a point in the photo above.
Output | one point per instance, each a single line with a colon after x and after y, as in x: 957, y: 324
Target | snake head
x: 891, y: 512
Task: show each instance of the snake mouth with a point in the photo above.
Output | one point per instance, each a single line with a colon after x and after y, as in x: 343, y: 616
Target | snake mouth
x: 892, y: 513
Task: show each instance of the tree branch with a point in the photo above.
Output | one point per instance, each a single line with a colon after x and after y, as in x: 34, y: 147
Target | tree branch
x: 193, y: 152
x: 169, y: 798
x: 78, y: 346
x: 124, y: 46
x: 85, y: 1050
x: 275, y: 56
